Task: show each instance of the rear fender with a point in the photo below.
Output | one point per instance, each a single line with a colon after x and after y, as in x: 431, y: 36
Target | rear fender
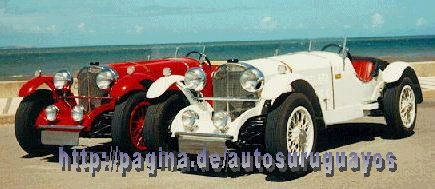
x: 32, y: 85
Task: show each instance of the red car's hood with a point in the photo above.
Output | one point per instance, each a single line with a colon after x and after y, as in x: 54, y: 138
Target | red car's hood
x: 154, y: 67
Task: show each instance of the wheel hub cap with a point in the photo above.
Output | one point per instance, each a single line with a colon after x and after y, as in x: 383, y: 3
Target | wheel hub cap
x: 407, y: 106
x: 300, y: 131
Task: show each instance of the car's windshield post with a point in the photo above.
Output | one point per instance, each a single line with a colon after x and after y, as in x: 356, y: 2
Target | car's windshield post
x: 176, y: 51
x: 203, y: 49
x: 344, y: 52
x: 310, y: 45
x: 276, y: 52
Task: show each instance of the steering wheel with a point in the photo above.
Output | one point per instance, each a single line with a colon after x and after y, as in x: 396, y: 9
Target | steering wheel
x: 332, y: 45
x: 340, y: 49
x: 201, y: 57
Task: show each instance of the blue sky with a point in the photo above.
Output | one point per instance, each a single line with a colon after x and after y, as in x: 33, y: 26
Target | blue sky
x: 46, y: 23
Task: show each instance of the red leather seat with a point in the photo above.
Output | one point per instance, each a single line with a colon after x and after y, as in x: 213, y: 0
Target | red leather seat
x: 364, y: 69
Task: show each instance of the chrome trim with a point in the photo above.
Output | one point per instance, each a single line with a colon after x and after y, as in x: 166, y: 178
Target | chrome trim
x: 212, y: 135
x: 66, y: 127
x: 228, y: 93
x: 87, y: 87
x: 114, y: 72
x: 228, y: 99
x: 50, y: 137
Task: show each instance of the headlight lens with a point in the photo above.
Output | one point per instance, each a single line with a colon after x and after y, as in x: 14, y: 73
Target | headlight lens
x: 252, y: 80
x: 220, y: 120
x: 77, y: 113
x: 106, y: 77
x: 190, y: 119
x: 195, y: 79
x: 51, y: 112
x: 62, y: 79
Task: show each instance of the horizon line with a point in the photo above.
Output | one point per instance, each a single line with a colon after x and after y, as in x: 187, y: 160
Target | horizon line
x: 208, y: 42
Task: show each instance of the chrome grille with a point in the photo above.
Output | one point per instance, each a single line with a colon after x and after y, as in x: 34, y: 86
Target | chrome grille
x: 87, y: 87
x: 226, y: 83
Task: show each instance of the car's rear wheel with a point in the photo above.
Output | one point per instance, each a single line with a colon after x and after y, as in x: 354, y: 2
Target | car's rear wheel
x: 127, y: 123
x: 157, y: 131
x: 28, y: 137
x: 291, y: 127
x: 400, y: 108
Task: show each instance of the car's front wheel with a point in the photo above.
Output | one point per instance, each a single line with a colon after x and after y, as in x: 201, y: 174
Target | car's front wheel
x: 28, y: 137
x: 157, y: 131
x: 291, y: 128
x: 127, y: 123
x: 400, y: 108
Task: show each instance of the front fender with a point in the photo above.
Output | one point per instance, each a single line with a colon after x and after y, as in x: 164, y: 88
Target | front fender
x: 278, y: 84
x: 129, y: 83
x: 394, y: 71
x: 162, y: 84
x: 32, y: 85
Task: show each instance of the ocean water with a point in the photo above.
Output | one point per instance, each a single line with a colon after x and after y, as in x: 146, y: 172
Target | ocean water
x: 16, y: 64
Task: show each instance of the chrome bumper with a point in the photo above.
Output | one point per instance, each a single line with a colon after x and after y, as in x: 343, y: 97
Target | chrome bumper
x: 66, y: 135
x: 194, y: 143
x: 63, y: 127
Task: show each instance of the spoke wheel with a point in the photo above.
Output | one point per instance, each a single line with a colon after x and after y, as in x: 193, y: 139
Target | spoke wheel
x: 400, y: 108
x: 127, y: 123
x: 407, y: 106
x: 300, y: 131
x: 291, y: 128
x: 137, y: 119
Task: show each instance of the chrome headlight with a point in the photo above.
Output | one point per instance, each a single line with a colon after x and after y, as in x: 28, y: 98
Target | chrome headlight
x: 195, y: 79
x: 62, y: 79
x: 77, y: 113
x: 220, y: 120
x: 252, y: 80
x: 106, y: 77
x: 190, y: 119
x: 51, y: 112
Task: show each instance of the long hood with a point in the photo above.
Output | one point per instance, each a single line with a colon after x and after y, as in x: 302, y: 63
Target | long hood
x: 300, y: 62
x: 154, y: 67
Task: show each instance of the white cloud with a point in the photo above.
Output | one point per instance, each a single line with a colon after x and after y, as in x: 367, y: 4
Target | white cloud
x: 138, y: 29
x: 51, y: 28
x: 83, y: 28
x: 377, y: 20
x: 420, y: 22
x: 268, y: 23
x: 42, y: 29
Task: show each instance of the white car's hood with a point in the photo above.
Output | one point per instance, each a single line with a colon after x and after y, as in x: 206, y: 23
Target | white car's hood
x: 299, y: 62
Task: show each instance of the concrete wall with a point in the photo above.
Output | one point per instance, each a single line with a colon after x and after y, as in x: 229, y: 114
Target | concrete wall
x: 10, y: 88
x: 424, y: 69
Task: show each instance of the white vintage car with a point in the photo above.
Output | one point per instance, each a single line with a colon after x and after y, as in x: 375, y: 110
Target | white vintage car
x: 281, y: 102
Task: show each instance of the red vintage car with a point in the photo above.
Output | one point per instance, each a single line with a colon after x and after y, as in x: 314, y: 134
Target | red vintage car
x: 111, y: 102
